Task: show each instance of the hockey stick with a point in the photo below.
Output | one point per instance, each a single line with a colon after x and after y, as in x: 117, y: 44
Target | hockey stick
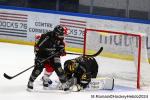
x: 11, y: 77
x: 94, y: 55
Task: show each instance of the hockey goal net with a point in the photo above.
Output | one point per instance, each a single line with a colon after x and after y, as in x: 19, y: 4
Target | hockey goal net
x: 124, y: 56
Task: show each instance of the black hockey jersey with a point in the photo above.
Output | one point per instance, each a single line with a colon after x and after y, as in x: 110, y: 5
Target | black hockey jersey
x: 47, y: 45
x: 83, y: 68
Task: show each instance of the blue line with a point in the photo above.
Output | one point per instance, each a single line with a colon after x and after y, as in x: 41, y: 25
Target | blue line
x: 78, y: 14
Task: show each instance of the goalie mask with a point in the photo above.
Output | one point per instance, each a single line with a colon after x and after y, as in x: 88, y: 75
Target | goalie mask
x: 71, y: 65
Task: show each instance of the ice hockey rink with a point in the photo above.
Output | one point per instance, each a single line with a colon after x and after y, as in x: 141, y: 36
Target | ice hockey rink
x: 15, y: 58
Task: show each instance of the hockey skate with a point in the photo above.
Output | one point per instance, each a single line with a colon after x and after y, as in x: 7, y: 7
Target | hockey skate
x: 30, y: 86
x: 46, y: 82
x: 49, y: 81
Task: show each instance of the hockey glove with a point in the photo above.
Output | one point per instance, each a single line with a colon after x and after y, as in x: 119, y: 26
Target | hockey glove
x: 85, y: 79
x: 61, y: 51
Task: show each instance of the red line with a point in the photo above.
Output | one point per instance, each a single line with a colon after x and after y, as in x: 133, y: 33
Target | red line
x: 72, y: 23
x: 13, y: 19
x: 72, y: 26
x: 63, y: 19
x: 13, y: 14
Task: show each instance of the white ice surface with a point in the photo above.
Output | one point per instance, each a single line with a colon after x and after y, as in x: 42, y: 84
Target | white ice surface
x: 15, y: 58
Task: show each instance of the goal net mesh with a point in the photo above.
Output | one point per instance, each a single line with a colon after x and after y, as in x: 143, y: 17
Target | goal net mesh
x: 124, y: 56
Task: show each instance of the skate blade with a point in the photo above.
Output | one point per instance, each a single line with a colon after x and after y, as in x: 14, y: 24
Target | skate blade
x: 29, y: 90
x: 45, y: 88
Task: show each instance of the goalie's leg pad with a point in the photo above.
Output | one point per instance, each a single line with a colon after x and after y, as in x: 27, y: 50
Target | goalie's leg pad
x: 104, y: 83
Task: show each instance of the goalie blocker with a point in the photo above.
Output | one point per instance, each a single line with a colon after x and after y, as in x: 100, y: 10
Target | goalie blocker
x: 83, y: 70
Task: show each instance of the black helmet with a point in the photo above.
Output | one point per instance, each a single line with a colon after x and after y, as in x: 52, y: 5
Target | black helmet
x: 59, y: 31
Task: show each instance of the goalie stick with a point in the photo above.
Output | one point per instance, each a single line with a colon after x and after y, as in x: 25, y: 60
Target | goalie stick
x: 94, y: 55
x: 11, y: 77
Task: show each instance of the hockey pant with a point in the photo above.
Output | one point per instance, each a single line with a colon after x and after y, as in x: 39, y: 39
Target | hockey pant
x: 51, y: 65
x: 39, y: 68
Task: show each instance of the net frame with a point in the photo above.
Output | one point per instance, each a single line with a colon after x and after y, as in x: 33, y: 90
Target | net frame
x: 139, y: 36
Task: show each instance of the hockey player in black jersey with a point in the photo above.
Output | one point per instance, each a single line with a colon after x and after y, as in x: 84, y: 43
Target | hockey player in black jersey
x: 82, y: 68
x: 49, y: 44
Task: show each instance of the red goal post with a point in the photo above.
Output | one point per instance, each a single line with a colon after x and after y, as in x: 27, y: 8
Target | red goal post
x: 115, y: 33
